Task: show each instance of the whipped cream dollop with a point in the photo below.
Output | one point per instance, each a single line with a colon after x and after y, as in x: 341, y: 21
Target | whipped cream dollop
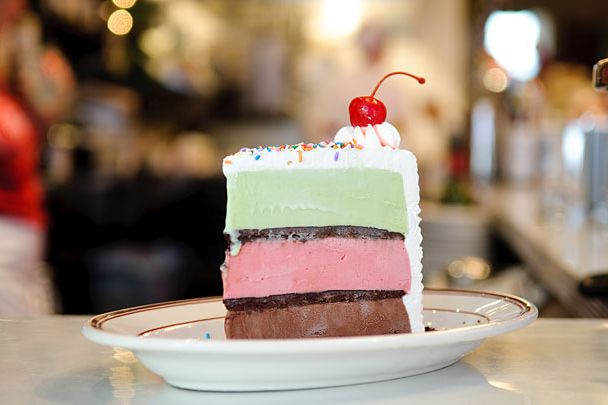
x: 372, y: 136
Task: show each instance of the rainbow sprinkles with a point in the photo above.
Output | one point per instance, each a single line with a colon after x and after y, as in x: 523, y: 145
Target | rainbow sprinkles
x: 299, y: 148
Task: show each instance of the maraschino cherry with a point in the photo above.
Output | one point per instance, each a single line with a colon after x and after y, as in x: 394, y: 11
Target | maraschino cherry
x: 368, y: 110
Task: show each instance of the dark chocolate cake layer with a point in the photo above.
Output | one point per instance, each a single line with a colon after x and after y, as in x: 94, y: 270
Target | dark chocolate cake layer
x: 325, y: 297
x: 307, y: 233
x: 336, y: 319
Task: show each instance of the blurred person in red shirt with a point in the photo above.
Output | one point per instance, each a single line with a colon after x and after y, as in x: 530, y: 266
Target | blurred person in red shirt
x: 36, y: 87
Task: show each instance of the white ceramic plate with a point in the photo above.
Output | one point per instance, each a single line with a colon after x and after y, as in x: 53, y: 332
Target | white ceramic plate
x: 184, y: 342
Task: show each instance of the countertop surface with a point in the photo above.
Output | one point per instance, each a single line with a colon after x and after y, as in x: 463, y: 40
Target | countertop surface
x: 561, y: 252
x: 554, y: 361
x: 579, y: 248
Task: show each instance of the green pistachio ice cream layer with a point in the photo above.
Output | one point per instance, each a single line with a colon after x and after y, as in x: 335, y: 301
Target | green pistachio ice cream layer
x: 291, y: 198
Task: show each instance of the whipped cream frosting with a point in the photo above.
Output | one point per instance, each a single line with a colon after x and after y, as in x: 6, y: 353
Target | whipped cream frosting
x: 372, y: 136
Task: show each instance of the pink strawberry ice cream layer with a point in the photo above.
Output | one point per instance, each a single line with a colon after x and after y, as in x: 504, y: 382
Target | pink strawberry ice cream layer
x: 269, y: 267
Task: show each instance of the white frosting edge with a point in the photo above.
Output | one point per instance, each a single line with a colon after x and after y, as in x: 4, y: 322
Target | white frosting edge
x: 385, y: 158
x: 413, y: 245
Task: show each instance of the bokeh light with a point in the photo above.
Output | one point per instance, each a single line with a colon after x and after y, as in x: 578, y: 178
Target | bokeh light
x: 157, y: 42
x: 495, y: 80
x: 124, y: 3
x: 120, y: 22
x: 511, y: 38
x: 336, y: 19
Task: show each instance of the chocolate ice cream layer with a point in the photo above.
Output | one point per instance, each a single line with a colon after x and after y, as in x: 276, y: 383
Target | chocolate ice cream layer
x: 335, y: 319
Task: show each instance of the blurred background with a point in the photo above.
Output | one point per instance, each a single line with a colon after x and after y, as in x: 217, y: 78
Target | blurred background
x: 115, y: 116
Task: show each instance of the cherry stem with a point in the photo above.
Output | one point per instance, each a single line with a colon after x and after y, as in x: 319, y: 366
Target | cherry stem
x: 420, y: 80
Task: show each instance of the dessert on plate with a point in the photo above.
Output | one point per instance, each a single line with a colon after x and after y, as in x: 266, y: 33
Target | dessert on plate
x: 324, y: 239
